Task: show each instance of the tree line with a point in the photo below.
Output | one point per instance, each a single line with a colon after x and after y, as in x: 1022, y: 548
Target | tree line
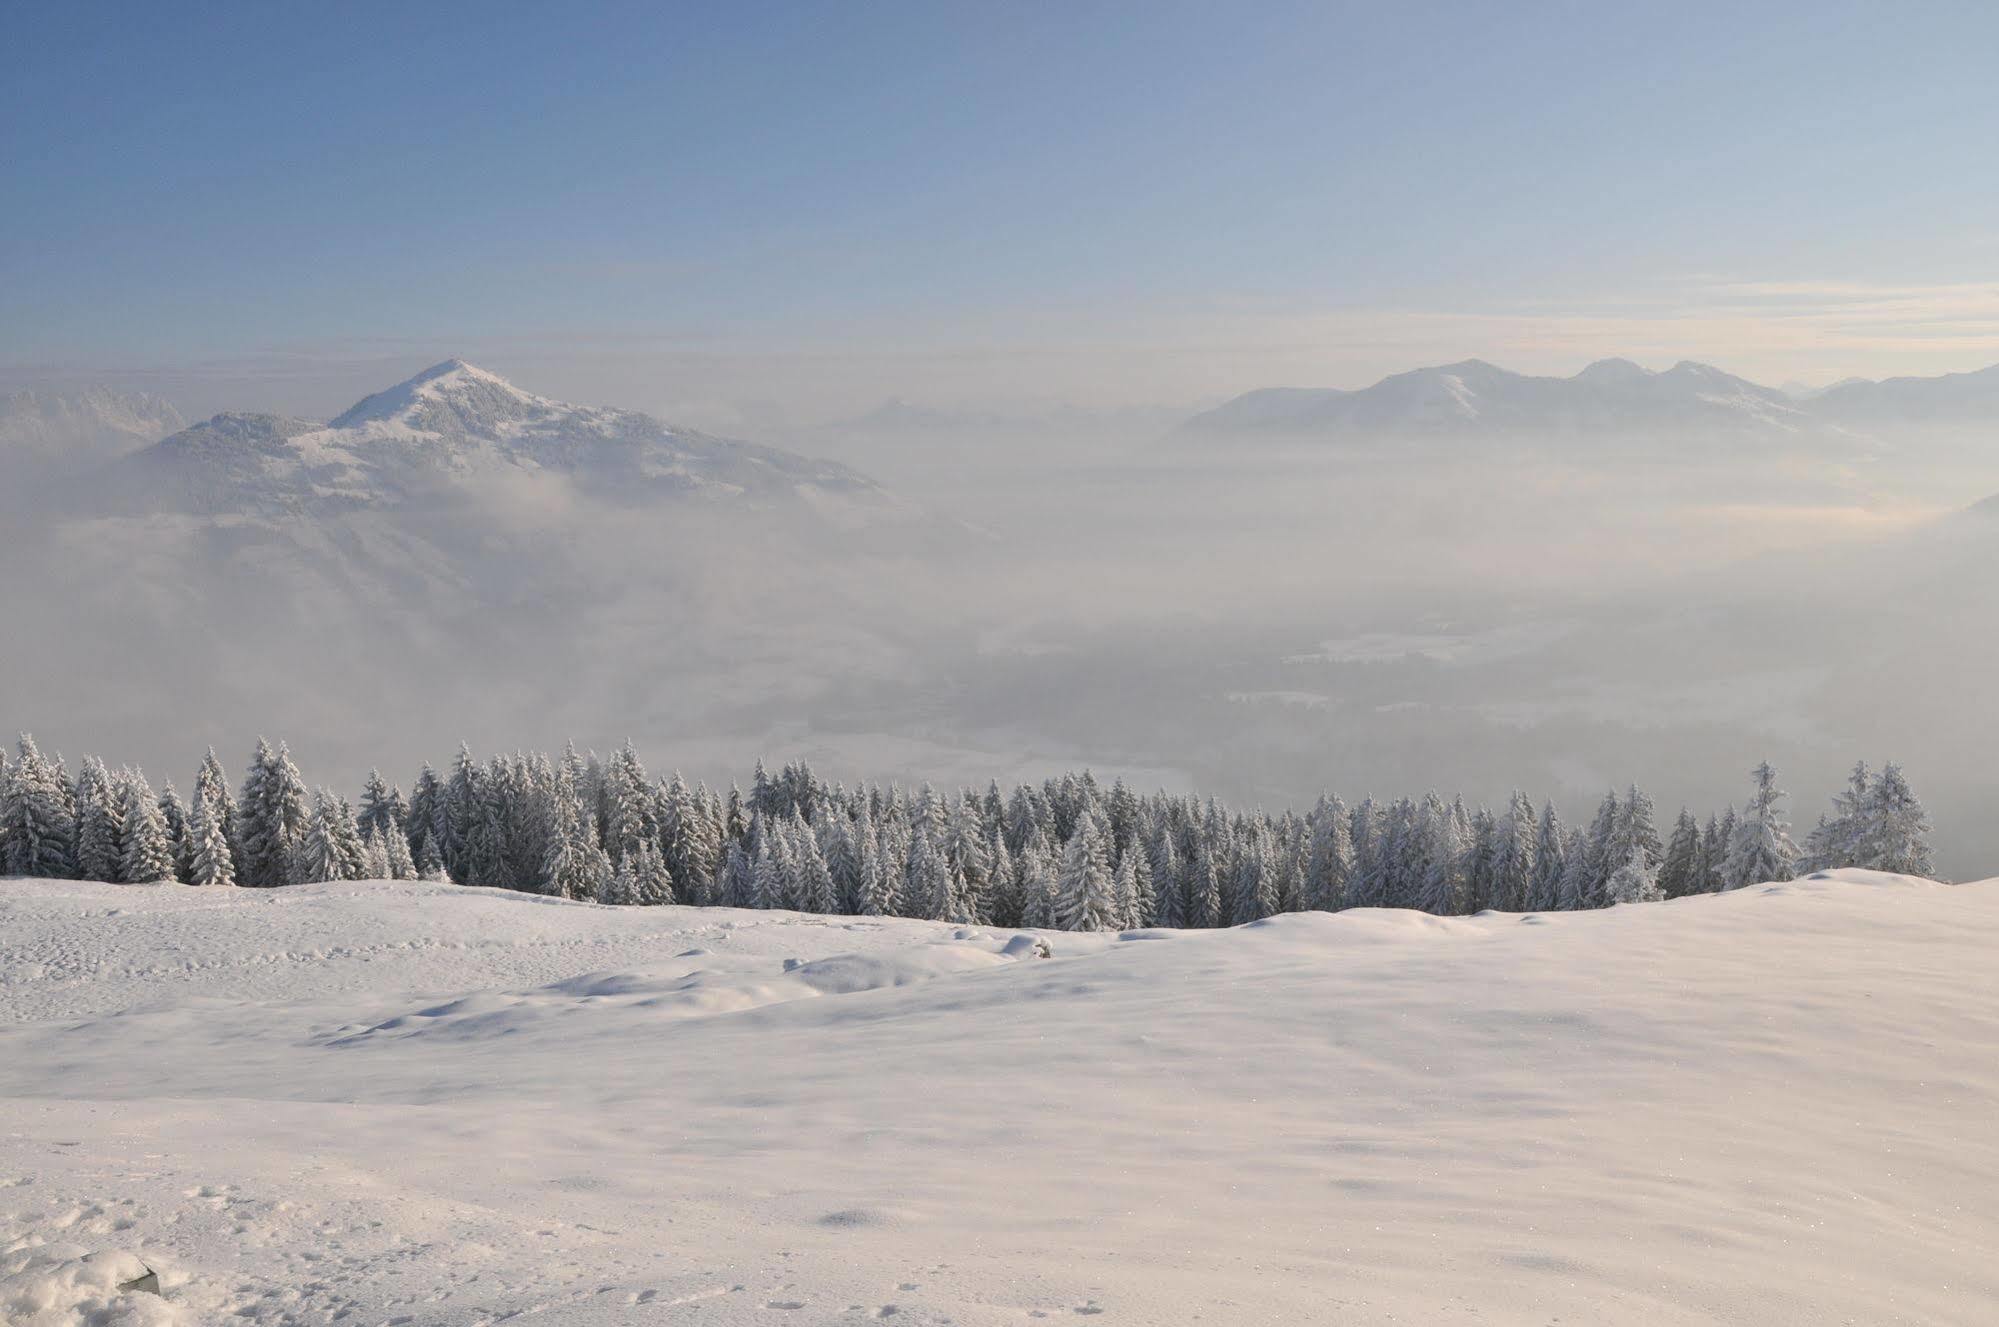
x: 1067, y: 853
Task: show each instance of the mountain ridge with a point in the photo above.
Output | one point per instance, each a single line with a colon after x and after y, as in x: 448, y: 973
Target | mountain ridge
x: 1609, y: 397
x: 454, y: 423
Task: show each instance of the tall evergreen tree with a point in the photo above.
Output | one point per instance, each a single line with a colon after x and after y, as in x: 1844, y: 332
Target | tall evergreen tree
x: 35, y: 814
x: 145, y: 851
x: 1085, y: 897
x: 173, y: 815
x: 1762, y: 849
x: 100, y: 823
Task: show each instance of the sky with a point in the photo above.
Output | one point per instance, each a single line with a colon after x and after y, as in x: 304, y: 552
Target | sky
x: 771, y: 215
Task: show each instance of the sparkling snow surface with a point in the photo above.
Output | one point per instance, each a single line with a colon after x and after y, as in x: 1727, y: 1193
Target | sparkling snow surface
x: 413, y: 1104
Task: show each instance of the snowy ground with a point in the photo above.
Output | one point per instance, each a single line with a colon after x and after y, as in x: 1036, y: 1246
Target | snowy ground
x: 413, y: 1104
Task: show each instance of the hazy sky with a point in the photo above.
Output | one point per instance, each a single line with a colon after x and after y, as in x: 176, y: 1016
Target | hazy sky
x: 783, y: 213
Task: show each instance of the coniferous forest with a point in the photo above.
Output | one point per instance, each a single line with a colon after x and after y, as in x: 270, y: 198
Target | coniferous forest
x: 1066, y: 854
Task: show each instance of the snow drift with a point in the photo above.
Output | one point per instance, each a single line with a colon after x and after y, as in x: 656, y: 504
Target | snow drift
x: 1770, y: 1106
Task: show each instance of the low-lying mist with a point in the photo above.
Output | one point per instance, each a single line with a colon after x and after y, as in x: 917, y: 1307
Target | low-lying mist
x: 1259, y: 623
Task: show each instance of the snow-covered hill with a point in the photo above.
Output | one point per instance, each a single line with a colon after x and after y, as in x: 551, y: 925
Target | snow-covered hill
x: 1609, y: 398
x: 455, y: 425
x: 428, y: 1105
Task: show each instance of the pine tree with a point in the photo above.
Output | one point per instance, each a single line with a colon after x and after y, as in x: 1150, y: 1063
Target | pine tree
x: 576, y: 867
x: 273, y: 815
x: 1085, y: 899
x: 1330, y: 863
x: 145, y: 852
x: 1037, y: 887
x: 377, y: 812
x: 100, y: 824
x: 173, y: 815
x: 1762, y: 849
x: 316, y: 855
x: 37, y: 824
x: 1512, y: 872
x: 458, y: 809
x: 396, y: 859
x: 1168, y: 883
x: 1679, y: 874
x: 815, y: 879
x: 1551, y: 840
x: 1634, y: 881
x: 347, y: 843
x: 1897, y: 830
x: 928, y: 887
x: 210, y: 860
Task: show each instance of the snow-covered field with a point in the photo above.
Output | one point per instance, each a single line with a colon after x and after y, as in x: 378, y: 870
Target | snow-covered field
x: 414, y: 1104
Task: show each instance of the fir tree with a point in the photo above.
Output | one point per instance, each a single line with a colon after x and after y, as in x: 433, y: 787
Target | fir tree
x: 146, y: 851
x: 37, y: 825
x: 100, y: 824
x: 210, y: 860
x: 1762, y: 849
x: 1085, y: 897
x: 1680, y: 873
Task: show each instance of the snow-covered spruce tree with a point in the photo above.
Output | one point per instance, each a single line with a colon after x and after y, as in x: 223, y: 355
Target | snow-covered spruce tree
x: 1837, y: 839
x: 1634, y: 881
x: 652, y: 882
x: 1897, y: 831
x: 1144, y: 895
x: 174, y: 816
x: 36, y: 815
x: 1551, y: 840
x: 1037, y: 887
x: 626, y: 803
x: 459, y: 808
x: 1330, y: 860
x: 1716, y: 839
x: 1762, y: 849
x: 146, y: 853
x: 927, y: 886
x: 1599, y: 842
x: 426, y: 805
x: 1255, y: 892
x: 1003, y: 898
x: 317, y: 854
x: 377, y: 814
x: 767, y: 887
x: 1169, y: 886
x: 273, y: 813
x: 816, y: 892
x: 396, y: 858
x: 1085, y: 896
x: 209, y: 858
x: 1437, y: 860
x: 347, y: 840
x: 735, y: 887
x: 576, y: 866
x: 1634, y: 830
x: 1515, y: 836
x: 1681, y: 867
x: 375, y: 857
x: 100, y: 823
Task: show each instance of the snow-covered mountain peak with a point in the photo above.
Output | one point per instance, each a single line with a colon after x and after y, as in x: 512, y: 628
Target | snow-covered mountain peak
x: 1613, y: 370
x: 451, y: 397
x: 454, y: 425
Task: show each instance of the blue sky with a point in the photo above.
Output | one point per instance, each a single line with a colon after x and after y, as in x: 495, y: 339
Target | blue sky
x: 797, y: 208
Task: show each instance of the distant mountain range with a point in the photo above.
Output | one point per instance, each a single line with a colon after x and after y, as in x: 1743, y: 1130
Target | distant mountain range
x: 451, y: 427
x: 1612, y: 397
x: 67, y: 431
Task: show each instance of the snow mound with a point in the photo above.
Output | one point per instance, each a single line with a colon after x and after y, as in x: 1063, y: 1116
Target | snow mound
x: 68, y: 1285
x: 663, y: 994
